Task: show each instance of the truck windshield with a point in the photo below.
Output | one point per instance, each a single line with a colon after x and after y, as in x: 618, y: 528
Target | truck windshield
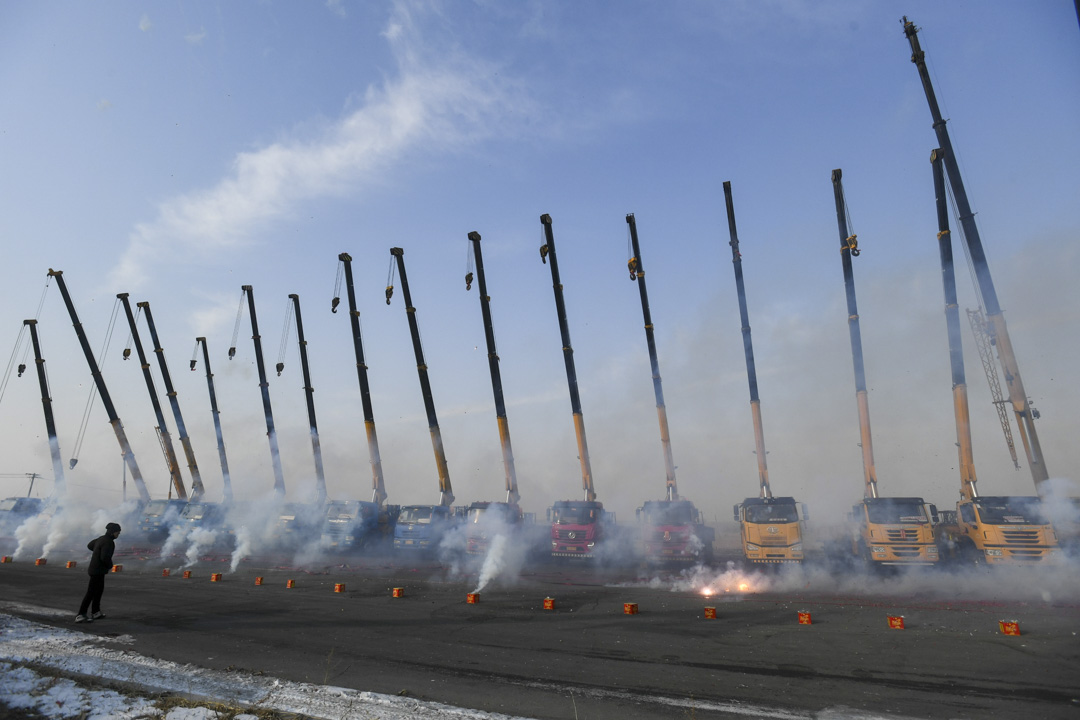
x: 675, y: 513
x: 771, y: 513
x: 571, y: 515
x: 1010, y: 511
x: 891, y: 512
x: 415, y: 515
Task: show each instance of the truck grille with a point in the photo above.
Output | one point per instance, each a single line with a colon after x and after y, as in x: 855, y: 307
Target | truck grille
x: 902, y: 535
x: 1021, y: 537
x: 578, y: 535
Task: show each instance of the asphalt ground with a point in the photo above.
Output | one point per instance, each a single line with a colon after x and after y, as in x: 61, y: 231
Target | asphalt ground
x: 585, y: 658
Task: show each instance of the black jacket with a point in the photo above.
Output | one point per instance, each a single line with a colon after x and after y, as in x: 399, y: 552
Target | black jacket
x: 101, y: 559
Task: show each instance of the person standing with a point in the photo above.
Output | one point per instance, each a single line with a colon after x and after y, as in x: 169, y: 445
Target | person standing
x: 101, y: 563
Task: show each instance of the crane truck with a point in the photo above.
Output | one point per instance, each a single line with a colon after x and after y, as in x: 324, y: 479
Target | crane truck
x: 984, y: 529
x: 886, y: 531
x: 771, y: 527
x: 505, y: 516
x: 672, y: 529
x: 424, y: 525
x: 998, y: 529
x: 103, y: 391
x: 578, y: 527
x: 358, y: 523
x: 222, y: 456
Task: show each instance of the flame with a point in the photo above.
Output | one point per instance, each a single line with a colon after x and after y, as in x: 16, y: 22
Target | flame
x: 707, y: 592
x: 744, y: 586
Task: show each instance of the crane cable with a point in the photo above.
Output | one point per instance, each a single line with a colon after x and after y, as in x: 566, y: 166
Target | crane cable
x: 236, y: 327
x: 131, y: 334
x: 102, y: 356
x: 632, y: 263
x: 18, y: 343
x: 337, y: 286
x: 468, y: 265
x: 390, y: 280
x: 286, y: 332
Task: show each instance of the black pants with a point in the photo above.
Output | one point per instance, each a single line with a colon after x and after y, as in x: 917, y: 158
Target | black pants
x: 92, y: 599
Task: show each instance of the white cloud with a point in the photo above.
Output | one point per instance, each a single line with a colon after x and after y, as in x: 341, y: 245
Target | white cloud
x: 145, y: 24
x: 440, y: 100
x: 336, y: 7
x: 197, y: 37
x: 103, y: 105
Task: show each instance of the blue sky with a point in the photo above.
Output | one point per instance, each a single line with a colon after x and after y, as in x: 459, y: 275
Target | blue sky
x: 179, y: 151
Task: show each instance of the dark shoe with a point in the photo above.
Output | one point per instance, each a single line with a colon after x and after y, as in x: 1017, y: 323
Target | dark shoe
x: 97, y: 616
x: 83, y: 618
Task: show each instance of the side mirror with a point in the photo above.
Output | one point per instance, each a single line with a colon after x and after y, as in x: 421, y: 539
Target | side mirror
x: 549, y: 514
x: 735, y: 510
x: 934, y: 514
x: 805, y: 511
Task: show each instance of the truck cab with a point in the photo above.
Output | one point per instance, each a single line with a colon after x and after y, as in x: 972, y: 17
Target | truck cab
x: 485, y: 520
x: 356, y: 524
x: 420, y: 528
x: 772, y: 529
x: 894, y: 531
x: 673, y: 531
x: 999, y: 529
x: 14, y: 511
x: 157, y: 517
x: 577, y: 528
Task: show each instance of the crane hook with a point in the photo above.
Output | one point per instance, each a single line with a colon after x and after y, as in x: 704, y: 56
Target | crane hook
x: 632, y: 265
x: 389, y: 293
x: 280, y: 367
x: 334, y: 303
x: 193, y: 365
x: 468, y: 281
x: 127, y: 353
x: 22, y: 368
x: 853, y: 245
x: 232, y: 352
x: 544, y: 253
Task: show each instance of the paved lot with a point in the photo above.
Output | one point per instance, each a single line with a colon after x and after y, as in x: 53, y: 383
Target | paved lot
x: 586, y: 658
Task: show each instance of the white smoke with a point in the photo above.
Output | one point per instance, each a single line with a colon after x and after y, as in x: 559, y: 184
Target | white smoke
x: 201, y: 540
x: 242, y: 549
x: 32, y: 534
x: 177, y: 534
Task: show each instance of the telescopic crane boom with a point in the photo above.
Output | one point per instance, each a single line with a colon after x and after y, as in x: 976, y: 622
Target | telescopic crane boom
x: 264, y: 385
x: 59, y: 486
x: 163, y: 429
x: 849, y: 246
x: 637, y: 273
x: 547, y: 252
x: 103, y: 391
x: 309, y: 394
x: 197, y: 489
x: 748, y: 347
x: 378, y: 483
x: 1025, y: 417
x: 226, y: 479
x: 952, y: 325
x: 512, y: 495
x: 446, y: 492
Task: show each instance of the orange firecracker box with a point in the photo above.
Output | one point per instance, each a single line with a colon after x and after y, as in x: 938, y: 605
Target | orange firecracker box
x: 629, y: 609
x: 187, y: 574
x: 165, y: 572
x: 215, y: 577
x: 258, y: 580
x: 710, y: 613
x: 290, y: 583
x: 549, y: 603
x: 1009, y: 627
x: 117, y: 568
x: 5, y: 559
x: 896, y: 622
x: 339, y: 587
x: 40, y: 561
x: 804, y: 618
x: 472, y: 598
x: 70, y: 564
x: 399, y: 592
